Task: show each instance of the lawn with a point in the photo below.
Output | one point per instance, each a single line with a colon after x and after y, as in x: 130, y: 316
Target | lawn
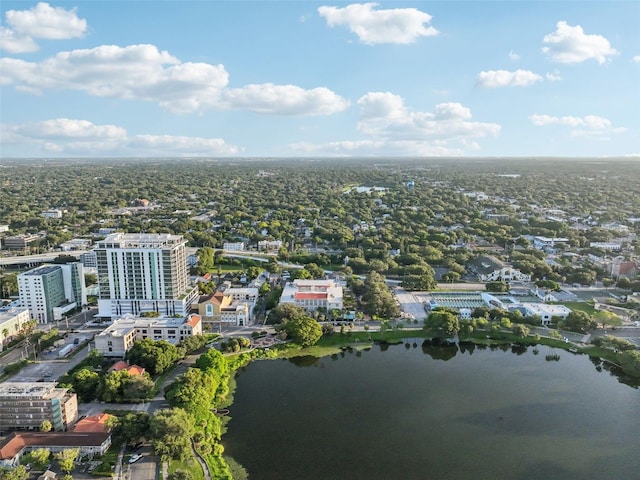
x: 190, y: 465
x: 581, y: 306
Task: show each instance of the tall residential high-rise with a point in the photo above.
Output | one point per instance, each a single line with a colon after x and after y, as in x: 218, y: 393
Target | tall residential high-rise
x: 141, y: 273
x: 50, y: 291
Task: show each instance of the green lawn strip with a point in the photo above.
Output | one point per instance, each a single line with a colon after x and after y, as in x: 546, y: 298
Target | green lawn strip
x: 218, y: 467
x: 190, y: 465
x: 582, y: 306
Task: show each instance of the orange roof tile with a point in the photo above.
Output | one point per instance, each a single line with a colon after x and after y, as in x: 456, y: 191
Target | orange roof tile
x: 135, y: 370
x: 94, y: 423
x: 193, y: 320
x: 310, y: 296
x: 121, y: 365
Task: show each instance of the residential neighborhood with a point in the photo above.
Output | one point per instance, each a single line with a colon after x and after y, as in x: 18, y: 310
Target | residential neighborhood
x: 110, y: 319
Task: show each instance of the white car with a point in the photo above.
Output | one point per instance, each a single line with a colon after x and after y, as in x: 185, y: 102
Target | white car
x: 134, y: 458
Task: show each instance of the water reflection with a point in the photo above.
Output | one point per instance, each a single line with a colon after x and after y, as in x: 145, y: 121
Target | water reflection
x: 440, y: 349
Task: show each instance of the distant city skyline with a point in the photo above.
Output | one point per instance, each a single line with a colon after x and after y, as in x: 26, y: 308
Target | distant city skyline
x: 319, y: 79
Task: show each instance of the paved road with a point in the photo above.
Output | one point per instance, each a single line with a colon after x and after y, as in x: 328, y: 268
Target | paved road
x: 39, y: 258
x: 628, y: 333
x: 144, y: 469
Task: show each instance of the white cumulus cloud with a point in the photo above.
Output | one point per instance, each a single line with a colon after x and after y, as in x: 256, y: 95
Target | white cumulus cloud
x: 588, y: 126
x: 570, y: 44
x: 636, y: 59
x: 514, y: 56
x: 42, y: 21
x: 393, y: 129
x: 553, y: 76
x: 83, y: 138
x: 396, y: 25
x: 505, y: 78
x: 284, y: 100
x: 142, y: 72
x: 384, y: 115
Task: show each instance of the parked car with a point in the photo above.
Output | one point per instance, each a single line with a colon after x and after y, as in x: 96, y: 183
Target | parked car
x: 135, y: 457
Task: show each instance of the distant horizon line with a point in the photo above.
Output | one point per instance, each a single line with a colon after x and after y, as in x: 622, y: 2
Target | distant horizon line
x: 344, y: 158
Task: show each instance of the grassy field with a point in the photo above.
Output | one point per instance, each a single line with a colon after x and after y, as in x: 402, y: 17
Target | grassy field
x: 581, y: 306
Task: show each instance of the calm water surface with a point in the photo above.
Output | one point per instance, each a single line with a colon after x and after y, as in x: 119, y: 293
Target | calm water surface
x: 421, y: 412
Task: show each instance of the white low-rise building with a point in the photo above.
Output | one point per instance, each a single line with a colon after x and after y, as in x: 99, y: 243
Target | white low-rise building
x: 269, y: 245
x: 313, y: 294
x: 233, y: 246
x: 609, y: 246
x: 12, y: 320
x: 119, y: 337
x: 545, y: 312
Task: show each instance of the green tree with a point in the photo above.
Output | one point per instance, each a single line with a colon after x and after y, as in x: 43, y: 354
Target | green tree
x: 154, y: 356
x: 171, y: 431
x: 520, y: 330
x: 136, y: 388
x: 66, y: 458
x: 132, y: 427
x: 39, y: 457
x: 579, y: 321
x: 45, y: 426
x: 205, y: 257
x: 286, y: 312
x: 304, y: 331
x: 85, y: 383
x: 497, y: 287
x: 18, y: 473
x: 607, y: 318
x: 112, y: 386
x: 443, y: 324
x: 629, y: 361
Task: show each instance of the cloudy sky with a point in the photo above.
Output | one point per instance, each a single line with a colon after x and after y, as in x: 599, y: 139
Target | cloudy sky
x: 303, y: 78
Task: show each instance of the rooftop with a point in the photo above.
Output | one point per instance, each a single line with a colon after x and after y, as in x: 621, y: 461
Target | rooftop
x: 29, y: 389
x: 44, y: 270
x: 141, y: 240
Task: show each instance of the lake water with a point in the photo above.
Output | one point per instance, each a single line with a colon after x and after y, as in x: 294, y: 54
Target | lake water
x: 421, y: 412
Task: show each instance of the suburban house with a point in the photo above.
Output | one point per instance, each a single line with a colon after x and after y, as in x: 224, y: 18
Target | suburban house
x: 18, y: 443
x: 491, y: 269
x: 313, y: 294
x: 123, y: 365
x: 118, y: 338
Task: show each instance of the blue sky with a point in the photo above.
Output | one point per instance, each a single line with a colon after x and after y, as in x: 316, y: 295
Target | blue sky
x: 302, y: 78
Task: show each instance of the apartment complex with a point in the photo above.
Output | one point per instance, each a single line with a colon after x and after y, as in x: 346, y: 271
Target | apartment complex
x: 50, y: 291
x: 118, y: 337
x: 25, y: 405
x: 313, y: 294
x: 141, y: 273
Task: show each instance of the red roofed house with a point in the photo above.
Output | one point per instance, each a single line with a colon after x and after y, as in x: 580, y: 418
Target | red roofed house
x: 313, y: 294
x: 123, y: 365
x: 94, y: 423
